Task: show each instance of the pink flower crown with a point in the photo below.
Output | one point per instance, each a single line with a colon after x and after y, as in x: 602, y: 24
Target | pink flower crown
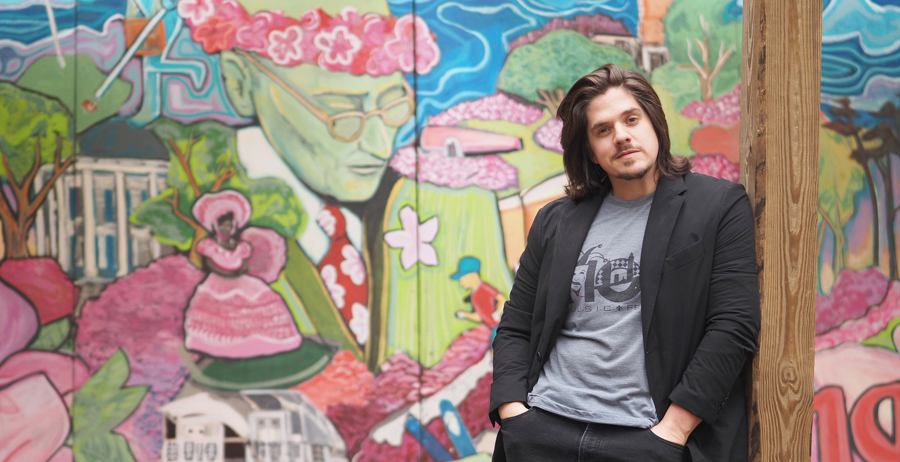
x: 368, y: 44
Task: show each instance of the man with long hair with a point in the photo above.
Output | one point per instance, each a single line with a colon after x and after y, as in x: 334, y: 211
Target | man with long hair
x: 635, y: 307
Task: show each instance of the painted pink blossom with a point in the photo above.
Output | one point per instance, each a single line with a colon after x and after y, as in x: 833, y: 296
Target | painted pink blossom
x: 359, y: 324
x: 547, y: 135
x: 724, y: 110
x: 353, y: 265
x: 337, y: 291
x: 489, y: 172
x: 195, y: 11
x: 414, y: 239
x: 421, y: 56
x: 285, y: 46
x: 498, y: 106
x: 338, y: 46
x: 252, y: 35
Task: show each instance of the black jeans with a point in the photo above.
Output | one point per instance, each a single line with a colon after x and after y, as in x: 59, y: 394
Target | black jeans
x: 540, y: 436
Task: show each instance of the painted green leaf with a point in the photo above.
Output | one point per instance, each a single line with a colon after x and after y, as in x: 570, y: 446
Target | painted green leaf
x: 100, y: 405
x: 103, y: 448
x: 52, y: 335
x: 167, y: 228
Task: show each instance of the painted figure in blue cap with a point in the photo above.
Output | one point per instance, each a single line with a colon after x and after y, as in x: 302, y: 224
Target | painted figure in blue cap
x: 487, y: 302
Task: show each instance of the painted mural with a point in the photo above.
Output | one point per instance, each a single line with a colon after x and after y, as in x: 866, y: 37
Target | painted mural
x: 261, y: 230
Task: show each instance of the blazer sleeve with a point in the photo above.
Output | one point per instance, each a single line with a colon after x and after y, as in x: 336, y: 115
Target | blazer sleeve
x: 732, y: 314
x: 512, y: 359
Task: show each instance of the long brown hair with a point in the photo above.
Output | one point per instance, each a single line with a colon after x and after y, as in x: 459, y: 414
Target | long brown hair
x: 585, y: 176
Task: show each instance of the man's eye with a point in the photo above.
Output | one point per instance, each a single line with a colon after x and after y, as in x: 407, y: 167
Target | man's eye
x: 632, y: 119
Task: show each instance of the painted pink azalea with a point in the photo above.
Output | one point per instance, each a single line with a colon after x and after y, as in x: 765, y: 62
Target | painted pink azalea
x: 338, y: 46
x: 548, y: 134
x: 18, y: 322
x: 414, y: 239
x: 329, y: 277
x: 489, y: 172
x: 353, y: 265
x: 493, y: 107
x: 196, y: 11
x: 285, y: 47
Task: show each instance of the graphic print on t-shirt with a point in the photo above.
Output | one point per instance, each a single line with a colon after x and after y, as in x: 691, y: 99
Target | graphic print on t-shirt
x: 602, y: 280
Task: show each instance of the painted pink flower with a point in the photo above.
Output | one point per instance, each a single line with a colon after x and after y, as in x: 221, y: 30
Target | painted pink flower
x: 327, y: 221
x: 285, y: 47
x: 195, y: 11
x: 359, y: 324
x: 34, y: 386
x: 252, y: 35
x: 310, y: 20
x: 353, y: 265
x: 422, y: 56
x: 18, y: 322
x: 339, y: 46
x: 337, y: 291
x: 414, y: 239
x: 216, y: 34
x: 35, y: 420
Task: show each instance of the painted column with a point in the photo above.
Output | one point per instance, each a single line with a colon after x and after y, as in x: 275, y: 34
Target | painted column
x: 52, y: 212
x: 63, y: 254
x: 40, y: 230
x: 155, y: 250
x: 90, y: 226
x: 121, y: 226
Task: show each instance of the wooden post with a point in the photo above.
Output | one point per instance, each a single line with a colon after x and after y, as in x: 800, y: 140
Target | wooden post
x: 780, y: 91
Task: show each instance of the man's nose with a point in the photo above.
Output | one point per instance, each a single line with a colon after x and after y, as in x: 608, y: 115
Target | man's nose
x: 622, y: 135
x: 375, y: 138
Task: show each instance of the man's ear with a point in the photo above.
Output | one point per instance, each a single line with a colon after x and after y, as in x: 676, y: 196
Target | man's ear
x: 238, y: 78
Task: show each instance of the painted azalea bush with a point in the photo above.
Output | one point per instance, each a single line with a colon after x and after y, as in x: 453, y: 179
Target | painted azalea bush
x: 44, y: 387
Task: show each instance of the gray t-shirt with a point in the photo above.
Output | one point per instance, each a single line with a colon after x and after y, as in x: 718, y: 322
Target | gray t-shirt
x: 595, y: 372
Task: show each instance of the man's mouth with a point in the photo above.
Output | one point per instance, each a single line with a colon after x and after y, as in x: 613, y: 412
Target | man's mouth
x: 627, y: 153
x: 367, y: 168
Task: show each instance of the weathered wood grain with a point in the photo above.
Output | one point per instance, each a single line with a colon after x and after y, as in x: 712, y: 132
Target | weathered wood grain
x: 780, y: 91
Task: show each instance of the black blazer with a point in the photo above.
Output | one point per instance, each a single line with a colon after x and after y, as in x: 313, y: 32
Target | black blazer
x: 699, y: 296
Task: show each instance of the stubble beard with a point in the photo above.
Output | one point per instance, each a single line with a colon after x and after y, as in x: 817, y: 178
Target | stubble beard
x: 634, y: 175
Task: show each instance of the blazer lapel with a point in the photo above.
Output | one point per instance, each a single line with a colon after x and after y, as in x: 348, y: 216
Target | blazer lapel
x: 663, y: 214
x: 572, y: 228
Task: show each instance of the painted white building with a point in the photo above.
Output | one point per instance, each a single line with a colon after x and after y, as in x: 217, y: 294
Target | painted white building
x: 84, y: 223
x: 280, y: 426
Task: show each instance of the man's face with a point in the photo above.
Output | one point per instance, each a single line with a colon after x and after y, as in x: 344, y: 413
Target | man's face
x: 346, y: 170
x: 622, y: 137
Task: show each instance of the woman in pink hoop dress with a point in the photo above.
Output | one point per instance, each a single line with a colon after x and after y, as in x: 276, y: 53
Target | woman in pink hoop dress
x: 234, y: 313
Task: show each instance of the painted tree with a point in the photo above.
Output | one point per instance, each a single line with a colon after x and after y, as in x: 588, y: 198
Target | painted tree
x: 843, y: 124
x: 542, y: 72
x: 34, y: 130
x: 840, y: 180
x: 203, y: 160
x: 883, y: 156
x: 694, y: 33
